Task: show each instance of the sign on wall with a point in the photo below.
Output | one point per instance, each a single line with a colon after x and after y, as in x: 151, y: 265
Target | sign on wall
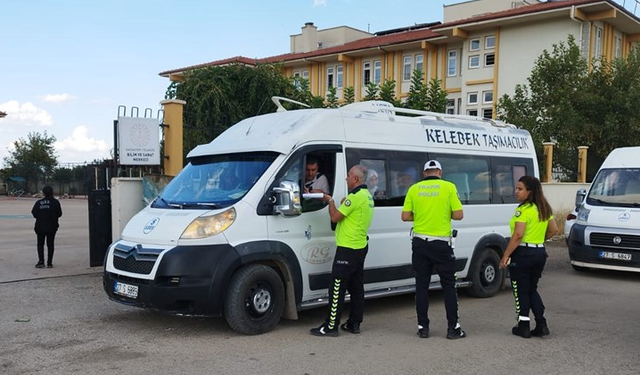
x: 138, y: 141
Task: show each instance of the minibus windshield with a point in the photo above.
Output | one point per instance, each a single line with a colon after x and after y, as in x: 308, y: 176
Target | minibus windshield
x: 616, y: 187
x: 214, y: 181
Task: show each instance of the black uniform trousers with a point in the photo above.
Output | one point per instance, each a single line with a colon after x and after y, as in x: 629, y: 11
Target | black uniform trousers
x: 347, y: 274
x: 427, y: 255
x: 49, y: 238
x: 527, y: 264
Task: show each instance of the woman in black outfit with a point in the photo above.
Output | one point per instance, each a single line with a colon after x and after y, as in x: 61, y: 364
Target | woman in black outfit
x: 46, y: 211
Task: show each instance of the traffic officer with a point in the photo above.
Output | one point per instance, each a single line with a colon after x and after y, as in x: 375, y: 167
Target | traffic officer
x: 431, y: 204
x: 353, y: 218
x: 525, y: 255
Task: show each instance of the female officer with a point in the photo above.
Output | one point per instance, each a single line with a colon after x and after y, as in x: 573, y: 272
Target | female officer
x: 525, y: 254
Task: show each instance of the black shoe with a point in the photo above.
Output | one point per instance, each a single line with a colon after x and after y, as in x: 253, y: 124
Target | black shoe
x: 541, y: 328
x: 456, y: 333
x: 323, y: 330
x: 351, y: 327
x: 423, y: 333
x: 40, y: 265
x: 49, y: 265
x: 522, y: 329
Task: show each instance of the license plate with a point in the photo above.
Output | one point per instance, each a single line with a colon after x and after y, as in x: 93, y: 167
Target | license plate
x: 126, y: 290
x: 616, y: 256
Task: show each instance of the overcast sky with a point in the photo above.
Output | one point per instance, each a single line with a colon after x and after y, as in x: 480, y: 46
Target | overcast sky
x: 68, y: 65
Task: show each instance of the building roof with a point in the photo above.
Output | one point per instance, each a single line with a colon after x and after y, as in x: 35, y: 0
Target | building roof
x: 375, y: 42
x: 438, y: 32
x: 627, y: 22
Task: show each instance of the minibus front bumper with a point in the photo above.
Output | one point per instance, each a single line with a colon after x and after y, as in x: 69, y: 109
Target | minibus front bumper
x: 190, y: 280
x: 598, y: 248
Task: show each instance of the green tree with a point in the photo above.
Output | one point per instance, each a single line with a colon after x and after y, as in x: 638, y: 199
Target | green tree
x: 436, y: 98
x: 349, y: 95
x: 33, y: 159
x: 372, y: 92
x: 332, y: 98
x: 417, y: 97
x: 388, y: 92
x: 302, y: 92
x: 218, y: 97
x: 548, y: 107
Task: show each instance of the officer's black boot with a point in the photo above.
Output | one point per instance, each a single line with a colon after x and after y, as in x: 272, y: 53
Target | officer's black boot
x: 522, y: 329
x: 541, y: 328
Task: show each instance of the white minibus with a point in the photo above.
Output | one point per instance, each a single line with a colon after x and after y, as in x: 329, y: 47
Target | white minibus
x: 606, y: 233
x: 231, y: 235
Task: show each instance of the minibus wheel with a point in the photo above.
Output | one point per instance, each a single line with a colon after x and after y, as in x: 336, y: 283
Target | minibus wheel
x: 486, y: 275
x: 255, y: 300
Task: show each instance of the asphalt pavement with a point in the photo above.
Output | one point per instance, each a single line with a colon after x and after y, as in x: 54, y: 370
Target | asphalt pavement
x: 18, y: 255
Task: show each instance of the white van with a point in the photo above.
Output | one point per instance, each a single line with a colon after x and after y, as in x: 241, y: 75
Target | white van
x: 606, y: 233
x: 254, y: 250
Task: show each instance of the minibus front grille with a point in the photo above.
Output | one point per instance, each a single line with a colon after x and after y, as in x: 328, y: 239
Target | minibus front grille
x: 135, y: 259
x: 616, y: 241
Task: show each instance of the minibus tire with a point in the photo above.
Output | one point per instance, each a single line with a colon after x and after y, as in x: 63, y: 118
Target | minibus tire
x: 255, y: 300
x: 486, y: 275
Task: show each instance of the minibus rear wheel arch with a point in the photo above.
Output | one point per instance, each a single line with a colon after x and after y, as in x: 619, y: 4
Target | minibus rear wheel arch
x: 255, y: 299
x: 486, y: 276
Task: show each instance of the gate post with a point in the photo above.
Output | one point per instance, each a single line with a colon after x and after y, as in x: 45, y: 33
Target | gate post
x: 173, y: 110
x: 548, y: 161
x: 582, y: 163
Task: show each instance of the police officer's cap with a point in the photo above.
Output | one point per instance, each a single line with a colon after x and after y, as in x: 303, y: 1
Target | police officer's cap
x: 432, y: 164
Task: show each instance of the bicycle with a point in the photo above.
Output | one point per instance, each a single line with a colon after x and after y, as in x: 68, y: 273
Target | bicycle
x: 16, y: 193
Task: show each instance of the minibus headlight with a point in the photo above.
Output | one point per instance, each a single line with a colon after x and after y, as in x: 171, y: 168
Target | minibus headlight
x: 207, y: 226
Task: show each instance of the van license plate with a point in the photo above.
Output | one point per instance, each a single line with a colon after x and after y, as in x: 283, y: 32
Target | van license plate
x: 126, y: 290
x: 616, y: 256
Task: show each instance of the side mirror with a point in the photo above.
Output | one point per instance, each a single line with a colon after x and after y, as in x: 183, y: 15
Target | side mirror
x: 287, y: 199
x: 580, y: 194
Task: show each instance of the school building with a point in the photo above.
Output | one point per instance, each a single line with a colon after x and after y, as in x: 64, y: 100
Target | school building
x: 480, y: 50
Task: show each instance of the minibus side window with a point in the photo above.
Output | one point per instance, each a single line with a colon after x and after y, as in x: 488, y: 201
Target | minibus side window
x: 376, y: 177
x: 505, y: 178
x: 470, y: 174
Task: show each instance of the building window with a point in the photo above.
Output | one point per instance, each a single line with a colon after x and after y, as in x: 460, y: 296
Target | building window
x: 330, y: 77
x: 489, y: 59
x: 377, y: 72
x: 474, y: 45
x: 366, y: 73
x: 305, y: 74
x: 597, y: 52
x: 490, y: 42
x: 452, y: 63
x: 472, y: 112
x: 487, y: 113
x: 296, y: 80
x: 617, y: 53
x: 420, y: 63
x: 472, y: 98
x: 406, y: 68
x: 339, y: 76
x: 451, y: 107
x: 487, y: 96
x: 474, y: 61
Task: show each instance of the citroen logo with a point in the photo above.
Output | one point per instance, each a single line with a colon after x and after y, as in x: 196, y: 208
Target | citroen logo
x: 617, y: 240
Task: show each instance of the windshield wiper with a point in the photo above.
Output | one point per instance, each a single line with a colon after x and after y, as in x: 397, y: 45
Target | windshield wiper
x: 212, y: 205
x: 602, y: 202
x: 169, y: 204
